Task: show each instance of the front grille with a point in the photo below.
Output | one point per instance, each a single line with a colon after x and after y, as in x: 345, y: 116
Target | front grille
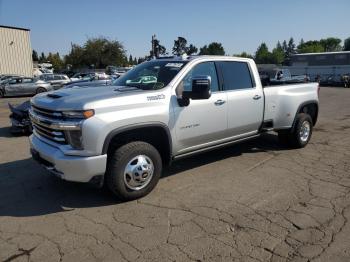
x: 46, y: 112
x: 41, y: 129
x: 57, y: 136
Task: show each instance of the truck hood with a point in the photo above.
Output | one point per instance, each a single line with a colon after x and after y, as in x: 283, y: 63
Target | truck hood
x: 75, y: 98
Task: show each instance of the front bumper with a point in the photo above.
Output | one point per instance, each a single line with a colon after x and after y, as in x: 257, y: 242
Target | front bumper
x: 71, y: 168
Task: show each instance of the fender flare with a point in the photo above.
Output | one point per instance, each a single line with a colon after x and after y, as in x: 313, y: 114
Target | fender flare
x: 315, y: 102
x: 131, y: 127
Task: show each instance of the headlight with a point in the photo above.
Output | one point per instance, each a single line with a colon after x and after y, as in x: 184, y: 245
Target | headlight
x: 85, y: 114
x: 74, y: 137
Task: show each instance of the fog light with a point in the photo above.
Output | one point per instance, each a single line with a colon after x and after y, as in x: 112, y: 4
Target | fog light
x: 74, y: 138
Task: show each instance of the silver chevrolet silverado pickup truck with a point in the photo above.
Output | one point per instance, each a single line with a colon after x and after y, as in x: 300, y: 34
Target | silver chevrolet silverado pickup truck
x: 122, y: 135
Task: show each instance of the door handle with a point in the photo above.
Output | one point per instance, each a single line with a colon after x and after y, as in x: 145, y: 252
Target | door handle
x: 219, y: 102
x: 256, y: 97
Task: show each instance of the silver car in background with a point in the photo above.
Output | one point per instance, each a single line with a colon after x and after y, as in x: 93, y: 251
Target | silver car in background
x: 16, y: 86
x: 56, y: 80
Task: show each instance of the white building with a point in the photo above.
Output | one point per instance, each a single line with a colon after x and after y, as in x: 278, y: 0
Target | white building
x: 15, y: 51
x: 320, y: 64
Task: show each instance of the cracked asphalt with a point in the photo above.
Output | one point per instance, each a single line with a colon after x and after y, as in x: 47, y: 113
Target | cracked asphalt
x: 255, y: 201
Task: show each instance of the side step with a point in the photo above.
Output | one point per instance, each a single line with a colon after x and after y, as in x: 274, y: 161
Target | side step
x: 267, y: 125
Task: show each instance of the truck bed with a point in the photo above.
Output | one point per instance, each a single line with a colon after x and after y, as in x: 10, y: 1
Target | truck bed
x: 282, y: 101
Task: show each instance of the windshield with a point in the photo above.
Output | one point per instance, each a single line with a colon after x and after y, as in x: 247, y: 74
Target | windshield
x: 151, y: 75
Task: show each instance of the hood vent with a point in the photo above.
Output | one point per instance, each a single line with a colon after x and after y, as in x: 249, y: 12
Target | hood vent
x: 54, y: 96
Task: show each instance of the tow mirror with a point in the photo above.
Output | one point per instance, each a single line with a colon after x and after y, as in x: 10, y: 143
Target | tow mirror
x: 200, y: 88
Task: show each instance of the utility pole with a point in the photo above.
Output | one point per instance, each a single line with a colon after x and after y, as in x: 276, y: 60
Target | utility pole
x: 153, y: 46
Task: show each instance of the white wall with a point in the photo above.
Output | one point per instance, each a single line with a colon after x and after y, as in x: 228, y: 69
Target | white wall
x: 15, y: 52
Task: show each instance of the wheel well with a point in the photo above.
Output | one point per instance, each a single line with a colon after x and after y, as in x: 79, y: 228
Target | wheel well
x: 310, y: 109
x: 157, y: 136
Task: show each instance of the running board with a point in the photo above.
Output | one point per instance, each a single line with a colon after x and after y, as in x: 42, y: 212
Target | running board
x: 203, y: 150
x: 267, y: 125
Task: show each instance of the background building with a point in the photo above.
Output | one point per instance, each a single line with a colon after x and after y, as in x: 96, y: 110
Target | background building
x: 15, y: 51
x: 323, y: 64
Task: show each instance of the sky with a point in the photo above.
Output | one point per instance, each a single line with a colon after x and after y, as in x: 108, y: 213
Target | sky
x: 240, y: 25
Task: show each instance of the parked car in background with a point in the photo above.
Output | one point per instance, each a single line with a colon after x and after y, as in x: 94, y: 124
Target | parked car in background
x: 19, y: 117
x: 264, y: 78
x: 16, y: 86
x: 116, y: 71
x: 97, y: 80
x: 56, y: 80
x: 277, y: 76
x: 332, y: 80
x: 5, y: 77
x: 67, y: 72
x: 82, y: 76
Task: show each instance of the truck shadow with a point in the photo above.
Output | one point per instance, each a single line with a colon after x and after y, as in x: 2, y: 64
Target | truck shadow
x: 265, y: 143
x: 27, y: 190
x: 5, y: 132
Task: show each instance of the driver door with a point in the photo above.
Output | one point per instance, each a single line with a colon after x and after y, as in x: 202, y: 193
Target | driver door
x: 203, y: 122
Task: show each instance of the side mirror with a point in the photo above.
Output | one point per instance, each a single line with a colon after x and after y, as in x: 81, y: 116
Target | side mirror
x: 200, y: 88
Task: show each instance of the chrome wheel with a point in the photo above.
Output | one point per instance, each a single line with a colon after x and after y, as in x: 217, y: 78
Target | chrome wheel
x: 138, y: 172
x: 305, y: 131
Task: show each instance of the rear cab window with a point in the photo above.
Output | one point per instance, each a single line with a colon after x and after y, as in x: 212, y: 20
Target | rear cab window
x: 236, y: 75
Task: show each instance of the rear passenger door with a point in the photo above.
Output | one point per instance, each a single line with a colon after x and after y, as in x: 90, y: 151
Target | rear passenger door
x: 245, y: 101
x: 56, y: 82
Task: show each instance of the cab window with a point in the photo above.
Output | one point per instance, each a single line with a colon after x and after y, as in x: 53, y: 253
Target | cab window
x: 236, y: 75
x: 202, y: 69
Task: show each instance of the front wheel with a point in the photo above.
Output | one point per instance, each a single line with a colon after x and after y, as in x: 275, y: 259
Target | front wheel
x: 133, y: 170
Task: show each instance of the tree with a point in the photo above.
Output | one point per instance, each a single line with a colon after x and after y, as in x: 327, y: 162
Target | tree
x: 99, y: 52
x: 262, y: 55
x: 331, y: 44
x: 291, y: 47
x: 213, y: 48
x: 42, y: 58
x: 180, y: 47
x: 159, y: 49
x: 56, y: 61
x: 75, y: 57
x: 244, y: 54
x: 313, y: 46
x: 140, y: 60
x: 191, y: 50
x: 277, y: 56
x: 347, y: 44
x: 35, y: 56
x: 132, y: 61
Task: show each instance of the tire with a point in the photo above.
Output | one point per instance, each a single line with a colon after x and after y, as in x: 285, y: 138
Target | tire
x: 1, y: 94
x: 40, y: 90
x: 124, y: 163
x: 300, y: 136
x: 303, y: 126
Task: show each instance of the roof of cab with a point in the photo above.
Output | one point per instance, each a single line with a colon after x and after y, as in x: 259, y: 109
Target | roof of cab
x: 195, y: 57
